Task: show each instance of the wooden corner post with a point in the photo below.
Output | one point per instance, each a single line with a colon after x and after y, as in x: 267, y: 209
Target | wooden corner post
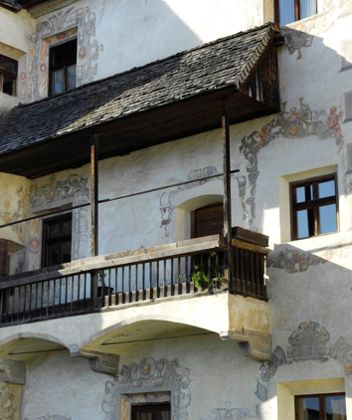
x: 227, y: 198
x: 94, y: 179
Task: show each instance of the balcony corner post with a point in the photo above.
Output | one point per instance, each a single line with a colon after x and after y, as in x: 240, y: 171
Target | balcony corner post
x: 227, y: 199
x: 94, y: 179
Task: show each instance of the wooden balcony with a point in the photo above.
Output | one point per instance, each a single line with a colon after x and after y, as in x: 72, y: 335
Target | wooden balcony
x: 191, y: 267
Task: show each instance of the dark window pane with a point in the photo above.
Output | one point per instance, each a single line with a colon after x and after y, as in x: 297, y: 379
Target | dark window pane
x: 327, y: 217
x: 287, y: 11
x: 302, y: 224
x: 8, y: 86
x: 326, y: 189
x: 307, y: 8
x: 152, y: 412
x: 71, y: 77
x: 9, y: 65
x: 66, y: 252
x: 58, y: 81
x: 307, y: 408
x: 300, y: 194
x: 335, y: 407
x: 62, y: 64
x: 57, y: 240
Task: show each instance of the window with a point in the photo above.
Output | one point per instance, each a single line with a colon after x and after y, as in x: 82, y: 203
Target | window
x: 57, y: 238
x: 321, y: 407
x: 8, y: 75
x: 288, y: 11
x: 62, y: 67
x: 208, y: 220
x: 314, y: 207
x: 151, y: 412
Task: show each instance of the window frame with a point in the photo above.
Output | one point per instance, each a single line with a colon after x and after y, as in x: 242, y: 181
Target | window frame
x: 297, y: 8
x: 53, y: 68
x: 315, y: 203
x: 321, y: 397
x: 152, y: 407
x: 10, y: 75
x: 45, y: 236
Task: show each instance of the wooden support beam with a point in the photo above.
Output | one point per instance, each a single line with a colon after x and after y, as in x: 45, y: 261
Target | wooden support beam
x: 94, y: 179
x: 227, y: 197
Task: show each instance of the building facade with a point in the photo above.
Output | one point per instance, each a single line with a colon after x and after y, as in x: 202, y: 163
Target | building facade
x: 175, y: 209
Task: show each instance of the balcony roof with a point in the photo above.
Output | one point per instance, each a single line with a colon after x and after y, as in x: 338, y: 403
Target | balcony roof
x: 168, y: 99
x: 10, y: 5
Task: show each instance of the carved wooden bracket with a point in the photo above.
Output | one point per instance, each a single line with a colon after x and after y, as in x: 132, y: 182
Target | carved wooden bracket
x: 107, y: 363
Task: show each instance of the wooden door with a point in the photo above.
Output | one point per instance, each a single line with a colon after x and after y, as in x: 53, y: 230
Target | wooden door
x: 208, y: 220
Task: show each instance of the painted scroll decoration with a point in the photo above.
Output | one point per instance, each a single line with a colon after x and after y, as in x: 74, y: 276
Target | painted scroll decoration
x: 150, y: 374
x: 167, y: 206
x: 228, y: 413
x: 55, y: 28
x: 296, y: 122
x: 296, y: 40
x: 310, y: 341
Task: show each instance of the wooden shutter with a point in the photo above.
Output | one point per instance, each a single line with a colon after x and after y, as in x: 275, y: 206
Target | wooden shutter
x: 207, y: 220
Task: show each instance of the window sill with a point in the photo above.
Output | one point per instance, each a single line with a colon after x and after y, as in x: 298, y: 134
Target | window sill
x: 298, y: 23
x: 316, y: 243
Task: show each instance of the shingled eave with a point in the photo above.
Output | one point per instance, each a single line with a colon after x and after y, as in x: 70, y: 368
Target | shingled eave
x: 11, y: 5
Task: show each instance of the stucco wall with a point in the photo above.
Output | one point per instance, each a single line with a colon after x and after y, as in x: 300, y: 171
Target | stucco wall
x: 309, y: 282
x: 82, y: 394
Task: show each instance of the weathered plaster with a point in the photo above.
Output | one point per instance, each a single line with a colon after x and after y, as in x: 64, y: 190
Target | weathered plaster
x: 10, y: 401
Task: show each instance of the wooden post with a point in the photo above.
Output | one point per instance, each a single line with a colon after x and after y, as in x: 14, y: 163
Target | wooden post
x: 94, y: 179
x: 227, y: 198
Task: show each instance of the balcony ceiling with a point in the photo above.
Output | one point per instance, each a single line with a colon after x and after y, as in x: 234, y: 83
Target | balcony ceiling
x: 165, y: 100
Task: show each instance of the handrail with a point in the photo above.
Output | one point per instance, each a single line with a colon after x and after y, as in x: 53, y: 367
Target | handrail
x: 181, y: 248
x: 180, y: 268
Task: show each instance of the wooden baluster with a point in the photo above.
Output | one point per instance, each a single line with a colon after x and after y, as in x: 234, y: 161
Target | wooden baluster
x: 179, y: 285
x: 94, y: 289
x: 187, y: 275
x: 157, y: 279
x: 150, y: 280
x: 172, y: 277
x: 109, y: 287
x: 164, y: 279
x: 129, y: 284
x: 116, y: 290
x: 143, y: 282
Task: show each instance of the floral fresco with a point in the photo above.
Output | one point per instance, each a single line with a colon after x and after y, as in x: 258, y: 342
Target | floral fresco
x: 310, y: 341
x: 298, y: 121
x: 296, y: 40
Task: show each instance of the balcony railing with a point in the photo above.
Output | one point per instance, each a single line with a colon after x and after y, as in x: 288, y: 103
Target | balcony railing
x: 189, y: 267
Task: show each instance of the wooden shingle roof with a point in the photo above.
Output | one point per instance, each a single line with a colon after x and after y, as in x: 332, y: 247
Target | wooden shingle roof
x: 214, y: 67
